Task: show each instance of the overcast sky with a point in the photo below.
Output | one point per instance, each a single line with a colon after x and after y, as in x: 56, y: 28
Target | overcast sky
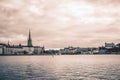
x: 60, y: 23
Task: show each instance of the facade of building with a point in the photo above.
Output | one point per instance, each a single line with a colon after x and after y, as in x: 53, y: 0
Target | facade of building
x: 14, y: 49
x: 68, y: 50
x: 38, y: 50
x: 1, y: 49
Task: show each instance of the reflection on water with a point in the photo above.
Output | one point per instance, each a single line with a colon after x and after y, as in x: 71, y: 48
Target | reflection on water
x: 80, y: 67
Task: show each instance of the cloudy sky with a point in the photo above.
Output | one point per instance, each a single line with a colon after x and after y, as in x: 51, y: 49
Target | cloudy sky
x: 60, y: 23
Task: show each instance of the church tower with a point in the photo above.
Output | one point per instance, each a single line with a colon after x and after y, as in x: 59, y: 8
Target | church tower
x: 29, y: 40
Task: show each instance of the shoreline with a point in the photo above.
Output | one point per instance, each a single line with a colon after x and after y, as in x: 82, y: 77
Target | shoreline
x: 62, y: 55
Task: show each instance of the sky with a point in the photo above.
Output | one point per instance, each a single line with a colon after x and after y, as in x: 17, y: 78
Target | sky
x: 60, y: 23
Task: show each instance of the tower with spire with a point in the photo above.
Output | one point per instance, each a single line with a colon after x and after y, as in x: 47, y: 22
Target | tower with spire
x: 29, y: 40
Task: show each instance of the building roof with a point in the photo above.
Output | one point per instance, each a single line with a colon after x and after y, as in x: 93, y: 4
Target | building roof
x: 3, y: 44
x: 14, y: 46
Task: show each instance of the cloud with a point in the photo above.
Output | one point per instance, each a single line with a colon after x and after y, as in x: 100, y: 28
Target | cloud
x: 104, y: 2
x: 59, y: 23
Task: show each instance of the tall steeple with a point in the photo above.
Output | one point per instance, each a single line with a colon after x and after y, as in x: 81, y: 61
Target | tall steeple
x: 29, y: 40
x: 8, y: 43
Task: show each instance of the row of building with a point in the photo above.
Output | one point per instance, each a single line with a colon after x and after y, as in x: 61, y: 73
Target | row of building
x: 7, y: 49
x: 108, y: 48
x: 29, y: 49
x: 77, y: 50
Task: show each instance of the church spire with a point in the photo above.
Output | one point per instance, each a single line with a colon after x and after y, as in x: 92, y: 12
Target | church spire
x: 8, y: 43
x: 29, y: 34
x: 29, y: 39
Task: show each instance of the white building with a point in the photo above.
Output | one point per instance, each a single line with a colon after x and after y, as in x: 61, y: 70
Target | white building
x: 38, y: 50
x: 28, y: 50
x: 1, y: 49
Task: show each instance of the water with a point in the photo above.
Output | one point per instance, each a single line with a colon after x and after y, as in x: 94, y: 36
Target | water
x: 79, y: 67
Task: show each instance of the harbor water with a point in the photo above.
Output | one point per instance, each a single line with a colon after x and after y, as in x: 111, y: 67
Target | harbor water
x: 64, y: 67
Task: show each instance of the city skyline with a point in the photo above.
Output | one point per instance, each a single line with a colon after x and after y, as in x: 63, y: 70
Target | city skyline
x: 57, y: 24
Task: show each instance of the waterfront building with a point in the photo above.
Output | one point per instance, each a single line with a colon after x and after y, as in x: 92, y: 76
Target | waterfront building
x: 68, y: 50
x: 102, y: 50
x: 109, y: 45
x: 109, y: 48
x: 28, y: 49
x: 2, y: 48
x: 14, y: 49
x: 39, y: 50
x: 118, y: 45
